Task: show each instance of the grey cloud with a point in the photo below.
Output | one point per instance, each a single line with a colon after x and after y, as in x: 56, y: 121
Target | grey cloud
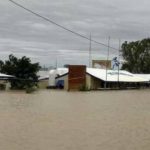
x: 22, y: 33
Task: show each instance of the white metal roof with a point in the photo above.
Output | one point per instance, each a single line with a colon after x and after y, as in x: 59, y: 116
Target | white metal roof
x: 43, y: 75
x: 61, y: 71
x: 112, y: 75
x: 5, y: 76
x: 58, y: 71
x: 145, y: 76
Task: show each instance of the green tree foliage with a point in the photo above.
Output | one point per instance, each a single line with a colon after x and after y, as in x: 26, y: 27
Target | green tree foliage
x: 137, y: 56
x: 24, y: 71
x: 1, y: 65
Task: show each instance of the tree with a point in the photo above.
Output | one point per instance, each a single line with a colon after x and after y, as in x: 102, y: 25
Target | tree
x: 137, y: 56
x: 24, y: 71
x: 1, y: 65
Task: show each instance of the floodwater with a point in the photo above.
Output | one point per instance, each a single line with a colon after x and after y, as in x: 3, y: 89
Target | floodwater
x: 58, y: 120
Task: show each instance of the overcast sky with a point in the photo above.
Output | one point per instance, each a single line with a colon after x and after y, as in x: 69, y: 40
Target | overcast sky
x: 22, y: 33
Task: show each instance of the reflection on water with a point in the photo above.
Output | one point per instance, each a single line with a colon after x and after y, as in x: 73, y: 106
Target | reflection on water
x: 58, y: 120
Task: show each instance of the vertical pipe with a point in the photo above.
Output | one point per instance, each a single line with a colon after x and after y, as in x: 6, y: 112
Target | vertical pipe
x: 119, y: 63
x: 107, y: 61
x: 56, y: 62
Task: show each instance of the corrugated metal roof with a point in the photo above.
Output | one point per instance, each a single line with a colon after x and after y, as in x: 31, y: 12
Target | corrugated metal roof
x: 112, y: 75
x: 145, y: 76
x: 43, y: 75
x: 5, y: 76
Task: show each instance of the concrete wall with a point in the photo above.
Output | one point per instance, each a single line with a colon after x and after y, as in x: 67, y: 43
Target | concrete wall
x: 88, y: 81
x: 5, y: 85
x: 43, y: 84
x: 66, y: 83
x: 65, y: 78
x: 93, y: 83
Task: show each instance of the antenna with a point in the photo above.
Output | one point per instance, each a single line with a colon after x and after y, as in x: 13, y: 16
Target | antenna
x: 90, y: 52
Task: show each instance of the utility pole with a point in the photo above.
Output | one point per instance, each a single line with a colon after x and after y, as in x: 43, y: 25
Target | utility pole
x: 107, y: 60
x: 119, y: 62
x: 90, y: 51
x: 56, y: 62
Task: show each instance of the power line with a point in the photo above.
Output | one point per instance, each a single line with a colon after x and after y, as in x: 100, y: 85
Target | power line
x: 52, y: 22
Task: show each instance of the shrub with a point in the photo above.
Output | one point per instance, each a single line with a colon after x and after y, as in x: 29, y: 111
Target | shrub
x: 30, y: 90
x: 84, y: 88
x: 2, y: 86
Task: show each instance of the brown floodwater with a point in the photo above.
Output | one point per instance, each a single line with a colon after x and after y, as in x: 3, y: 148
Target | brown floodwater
x: 58, y: 120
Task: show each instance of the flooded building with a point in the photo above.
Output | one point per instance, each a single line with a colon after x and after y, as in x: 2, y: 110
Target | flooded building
x: 43, y: 79
x: 78, y: 76
x: 4, y: 81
